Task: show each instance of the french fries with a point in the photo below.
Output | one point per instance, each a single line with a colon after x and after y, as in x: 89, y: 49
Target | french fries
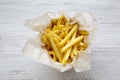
x: 78, y: 39
x: 68, y: 36
x: 63, y: 40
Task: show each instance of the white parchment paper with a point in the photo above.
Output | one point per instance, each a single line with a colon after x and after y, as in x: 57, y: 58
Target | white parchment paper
x: 34, y: 50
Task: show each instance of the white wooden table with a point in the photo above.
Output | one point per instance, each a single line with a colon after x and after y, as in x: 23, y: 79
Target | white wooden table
x: 105, y: 55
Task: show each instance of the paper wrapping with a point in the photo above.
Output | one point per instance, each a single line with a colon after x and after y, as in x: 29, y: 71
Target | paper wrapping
x: 33, y: 48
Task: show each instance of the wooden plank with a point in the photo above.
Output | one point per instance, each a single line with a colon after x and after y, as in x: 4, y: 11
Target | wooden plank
x: 105, y: 55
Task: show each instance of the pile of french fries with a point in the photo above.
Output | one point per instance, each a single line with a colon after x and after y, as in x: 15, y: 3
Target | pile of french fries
x: 64, y: 40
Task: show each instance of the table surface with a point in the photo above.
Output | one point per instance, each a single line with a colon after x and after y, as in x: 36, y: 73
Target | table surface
x: 105, y: 56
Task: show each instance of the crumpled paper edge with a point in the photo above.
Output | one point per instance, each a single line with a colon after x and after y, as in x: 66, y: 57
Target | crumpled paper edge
x: 33, y: 49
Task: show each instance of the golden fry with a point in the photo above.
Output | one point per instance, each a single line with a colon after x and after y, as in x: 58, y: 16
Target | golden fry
x: 66, y: 56
x: 83, y: 32
x: 75, y: 50
x: 59, y: 21
x: 72, y: 54
x: 82, y: 44
x: 66, y: 29
x: 55, y: 48
x: 64, y: 20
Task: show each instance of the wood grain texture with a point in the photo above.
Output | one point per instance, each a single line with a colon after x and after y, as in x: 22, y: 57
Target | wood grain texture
x: 105, y: 54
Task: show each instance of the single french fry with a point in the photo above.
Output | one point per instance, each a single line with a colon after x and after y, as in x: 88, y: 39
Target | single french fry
x: 78, y: 39
x: 82, y: 44
x: 68, y: 36
x: 74, y: 35
x: 75, y: 50
x: 83, y: 32
x: 72, y: 54
x: 59, y: 21
x: 55, y: 48
x: 66, y: 29
x: 66, y: 56
x: 64, y: 20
